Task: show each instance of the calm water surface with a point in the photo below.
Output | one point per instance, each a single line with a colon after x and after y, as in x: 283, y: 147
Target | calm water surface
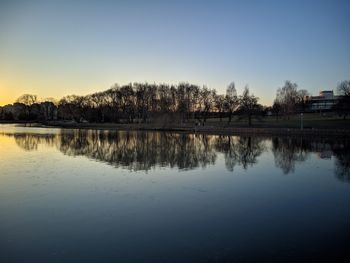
x: 107, y: 196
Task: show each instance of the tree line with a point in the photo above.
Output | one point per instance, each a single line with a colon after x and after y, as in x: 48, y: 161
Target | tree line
x: 144, y: 102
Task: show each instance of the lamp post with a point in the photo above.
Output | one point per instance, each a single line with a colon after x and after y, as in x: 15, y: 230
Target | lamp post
x: 301, y: 121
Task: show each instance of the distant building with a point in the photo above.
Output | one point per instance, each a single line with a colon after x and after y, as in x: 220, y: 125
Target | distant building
x: 324, y: 101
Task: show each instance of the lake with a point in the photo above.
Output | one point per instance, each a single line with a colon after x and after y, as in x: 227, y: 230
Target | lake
x: 117, y: 196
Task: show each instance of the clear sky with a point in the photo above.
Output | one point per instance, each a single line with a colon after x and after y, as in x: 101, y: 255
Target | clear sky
x: 57, y: 48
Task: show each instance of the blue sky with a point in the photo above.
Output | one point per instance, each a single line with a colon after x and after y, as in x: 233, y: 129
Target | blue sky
x: 56, y: 48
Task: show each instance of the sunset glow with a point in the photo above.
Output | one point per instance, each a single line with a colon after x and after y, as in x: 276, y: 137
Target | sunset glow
x: 59, y: 48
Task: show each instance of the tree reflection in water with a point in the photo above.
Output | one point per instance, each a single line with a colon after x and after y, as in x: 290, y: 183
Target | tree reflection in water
x: 147, y: 150
x: 341, y: 151
x: 30, y: 142
x: 140, y: 150
x: 289, y: 150
x: 240, y: 150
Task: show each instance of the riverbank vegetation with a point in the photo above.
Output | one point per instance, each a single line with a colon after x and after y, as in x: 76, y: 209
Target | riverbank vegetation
x: 182, y: 104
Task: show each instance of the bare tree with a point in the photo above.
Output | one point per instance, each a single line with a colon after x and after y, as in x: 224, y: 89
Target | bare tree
x: 27, y: 99
x: 343, y: 88
x: 207, y: 96
x: 50, y: 99
x: 248, y: 105
x: 302, y: 97
x: 343, y: 105
x: 231, y: 100
x: 219, y: 101
x: 287, y: 97
x: 72, y: 107
x: 276, y: 108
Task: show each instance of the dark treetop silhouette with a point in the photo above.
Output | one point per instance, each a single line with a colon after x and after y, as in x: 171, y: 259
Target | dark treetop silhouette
x: 167, y: 105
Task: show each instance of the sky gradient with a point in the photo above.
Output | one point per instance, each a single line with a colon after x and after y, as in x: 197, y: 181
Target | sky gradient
x: 57, y: 48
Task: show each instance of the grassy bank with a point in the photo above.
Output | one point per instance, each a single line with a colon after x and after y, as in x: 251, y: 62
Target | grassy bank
x: 310, y: 121
x: 313, y: 124
x: 214, y: 129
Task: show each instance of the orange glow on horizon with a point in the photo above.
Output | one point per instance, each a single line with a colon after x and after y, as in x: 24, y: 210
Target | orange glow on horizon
x: 6, y: 97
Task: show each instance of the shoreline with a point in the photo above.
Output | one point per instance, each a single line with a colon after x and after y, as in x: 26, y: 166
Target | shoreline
x: 189, y: 128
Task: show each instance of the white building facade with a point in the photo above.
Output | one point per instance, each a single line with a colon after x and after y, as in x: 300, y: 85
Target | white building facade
x: 324, y: 101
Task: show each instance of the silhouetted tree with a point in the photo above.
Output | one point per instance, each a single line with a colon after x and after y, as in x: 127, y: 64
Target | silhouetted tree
x: 219, y: 101
x: 343, y: 104
x: 27, y: 99
x: 72, y: 108
x: 248, y: 105
x: 30, y: 104
x: 287, y: 97
x: 207, y: 98
x: 302, y: 99
x: 231, y: 100
x: 276, y: 108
